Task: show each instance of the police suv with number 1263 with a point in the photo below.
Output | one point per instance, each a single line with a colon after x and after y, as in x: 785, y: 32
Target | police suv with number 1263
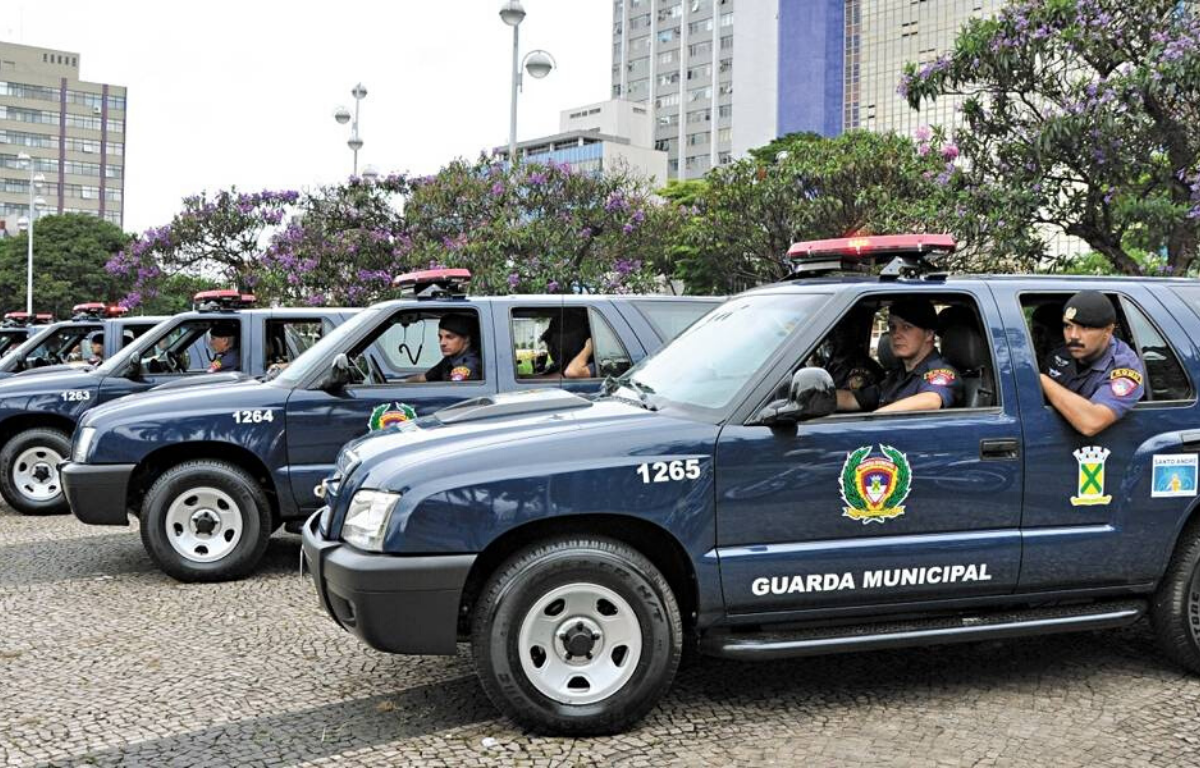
x: 209, y: 475
x: 39, y: 410
x: 714, y: 497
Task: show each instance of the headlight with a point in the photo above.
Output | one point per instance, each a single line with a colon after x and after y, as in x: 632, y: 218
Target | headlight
x: 83, y: 445
x: 367, y: 519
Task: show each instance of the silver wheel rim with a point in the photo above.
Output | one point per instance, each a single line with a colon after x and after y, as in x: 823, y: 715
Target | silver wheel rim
x: 35, y: 473
x: 580, y: 643
x: 204, y: 524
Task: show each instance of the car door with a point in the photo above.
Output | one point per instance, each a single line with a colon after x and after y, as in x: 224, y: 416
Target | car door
x: 321, y: 421
x: 186, y: 339
x: 874, y: 509
x: 1092, y: 517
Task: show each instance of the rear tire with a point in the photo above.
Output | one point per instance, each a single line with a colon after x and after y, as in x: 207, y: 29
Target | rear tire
x: 205, y: 521
x: 576, y: 636
x: 29, y: 479
x: 1175, y: 611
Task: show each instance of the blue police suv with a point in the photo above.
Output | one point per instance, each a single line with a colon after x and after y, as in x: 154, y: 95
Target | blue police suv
x: 211, y: 473
x: 38, y: 413
x: 715, y: 497
x: 66, y: 346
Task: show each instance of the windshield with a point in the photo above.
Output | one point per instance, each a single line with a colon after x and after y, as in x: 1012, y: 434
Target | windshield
x: 315, y: 355
x: 710, y: 362
x: 121, y: 359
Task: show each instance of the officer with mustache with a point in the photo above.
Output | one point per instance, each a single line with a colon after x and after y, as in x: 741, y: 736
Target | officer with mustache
x: 1094, y: 379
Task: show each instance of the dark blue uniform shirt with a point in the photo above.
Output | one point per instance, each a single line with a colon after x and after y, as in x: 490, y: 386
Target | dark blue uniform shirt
x: 930, y: 375
x: 1114, y: 379
x: 229, y: 360
x: 465, y: 367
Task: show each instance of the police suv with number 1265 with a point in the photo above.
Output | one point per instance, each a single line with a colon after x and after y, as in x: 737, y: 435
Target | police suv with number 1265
x: 715, y: 498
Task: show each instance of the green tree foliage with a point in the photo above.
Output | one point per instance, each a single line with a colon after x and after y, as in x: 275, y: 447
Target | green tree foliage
x: 1080, y: 114
x: 737, y: 226
x: 70, y: 253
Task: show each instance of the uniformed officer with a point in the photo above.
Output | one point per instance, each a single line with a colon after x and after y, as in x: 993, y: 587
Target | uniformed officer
x: 1094, y: 378
x: 844, y: 353
x: 222, y: 340
x: 460, y: 360
x: 921, y: 381
x: 97, y: 349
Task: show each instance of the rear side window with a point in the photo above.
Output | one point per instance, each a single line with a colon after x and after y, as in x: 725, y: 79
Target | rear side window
x: 671, y: 318
x: 1165, y: 376
x: 287, y: 339
x: 574, y: 342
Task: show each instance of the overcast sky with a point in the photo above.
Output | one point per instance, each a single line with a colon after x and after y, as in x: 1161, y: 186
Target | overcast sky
x: 224, y: 92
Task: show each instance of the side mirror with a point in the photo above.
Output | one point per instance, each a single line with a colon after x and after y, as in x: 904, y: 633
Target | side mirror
x: 811, y: 395
x: 339, y: 372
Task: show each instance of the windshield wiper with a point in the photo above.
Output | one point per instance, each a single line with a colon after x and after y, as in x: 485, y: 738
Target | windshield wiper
x: 642, y: 391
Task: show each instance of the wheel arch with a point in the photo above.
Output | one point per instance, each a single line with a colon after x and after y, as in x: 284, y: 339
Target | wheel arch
x: 14, y: 425
x: 654, y: 542
x: 156, y: 463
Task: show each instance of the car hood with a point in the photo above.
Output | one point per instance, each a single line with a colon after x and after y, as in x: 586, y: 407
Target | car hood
x: 24, y: 386
x: 432, y: 441
x: 171, y: 402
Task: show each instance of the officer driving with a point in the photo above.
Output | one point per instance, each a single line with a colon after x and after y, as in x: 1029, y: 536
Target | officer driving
x: 921, y: 380
x: 1094, y: 378
x: 844, y: 354
x: 460, y: 359
x: 222, y: 340
x: 96, y: 347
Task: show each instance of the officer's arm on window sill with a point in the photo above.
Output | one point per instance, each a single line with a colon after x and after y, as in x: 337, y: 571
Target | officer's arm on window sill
x: 1089, y: 419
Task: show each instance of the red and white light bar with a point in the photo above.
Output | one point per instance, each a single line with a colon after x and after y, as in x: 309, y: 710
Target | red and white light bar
x: 433, y: 283
x: 224, y: 298
x: 871, y: 244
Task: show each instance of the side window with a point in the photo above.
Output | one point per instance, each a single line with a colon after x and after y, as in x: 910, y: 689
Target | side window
x: 287, y: 339
x: 534, y: 332
x: 1165, y: 377
x: 418, y: 345
x: 877, y: 356
x: 608, y: 353
x: 189, y: 348
x: 131, y: 332
x: 671, y: 318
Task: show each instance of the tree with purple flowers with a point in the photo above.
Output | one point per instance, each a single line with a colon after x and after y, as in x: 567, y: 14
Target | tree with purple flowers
x: 1080, y: 115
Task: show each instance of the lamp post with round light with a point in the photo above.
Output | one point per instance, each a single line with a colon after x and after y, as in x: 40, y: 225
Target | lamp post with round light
x: 342, y: 115
x: 35, y: 180
x: 537, y: 63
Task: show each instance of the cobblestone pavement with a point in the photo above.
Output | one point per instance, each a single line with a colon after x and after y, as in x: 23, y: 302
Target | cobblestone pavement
x: 105, y: 661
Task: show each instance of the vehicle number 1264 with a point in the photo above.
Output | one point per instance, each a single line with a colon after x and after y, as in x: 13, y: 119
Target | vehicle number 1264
x: 666, y: 471
x: 253, y: 417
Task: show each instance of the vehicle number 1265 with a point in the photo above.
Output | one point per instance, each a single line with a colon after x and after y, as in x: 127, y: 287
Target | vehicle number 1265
x: 253, y: 417
x: 666, y: 471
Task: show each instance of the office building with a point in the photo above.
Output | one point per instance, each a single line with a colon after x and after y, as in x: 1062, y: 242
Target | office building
x: 719, y: 80
x: 609, y: 135
x: 73, y: 130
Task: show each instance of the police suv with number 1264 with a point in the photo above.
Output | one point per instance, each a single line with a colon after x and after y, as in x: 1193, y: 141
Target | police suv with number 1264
x: 714, y: 497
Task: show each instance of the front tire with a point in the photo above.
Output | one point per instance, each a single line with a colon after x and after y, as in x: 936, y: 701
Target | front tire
x: 205, y: 521
x: 29, y: 479
x: 1175, y: 611
x: 577, y: 636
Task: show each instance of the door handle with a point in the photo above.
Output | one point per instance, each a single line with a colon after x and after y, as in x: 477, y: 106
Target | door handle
x: 1000, y: 449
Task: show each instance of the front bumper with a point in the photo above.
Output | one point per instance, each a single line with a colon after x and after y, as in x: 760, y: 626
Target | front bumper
x: 394, y: 603
x: 97, y: 492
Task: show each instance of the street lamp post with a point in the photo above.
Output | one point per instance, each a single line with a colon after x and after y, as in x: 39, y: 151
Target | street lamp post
x: 35, y: 180
x: 342, y: 115
x: 537, y: 63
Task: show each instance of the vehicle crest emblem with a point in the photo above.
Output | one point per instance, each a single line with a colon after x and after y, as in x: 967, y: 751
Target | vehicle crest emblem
x: 875, y: 487
x: 1091, y: 476
x: 386, y: 415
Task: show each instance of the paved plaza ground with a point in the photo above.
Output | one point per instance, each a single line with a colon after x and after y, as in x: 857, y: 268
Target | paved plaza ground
x: 106, y: 661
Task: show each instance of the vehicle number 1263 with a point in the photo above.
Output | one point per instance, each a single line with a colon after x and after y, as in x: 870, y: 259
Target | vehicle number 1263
x: 666, y: 471
x: 76, y: 395
x: 253, y: 417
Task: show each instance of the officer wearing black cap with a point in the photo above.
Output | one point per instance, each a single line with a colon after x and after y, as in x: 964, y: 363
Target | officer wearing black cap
x: 96, y: 341
x: 1094, y: 379
x: 460, y: 361
x: 222, y: 340
x: 921, y: 381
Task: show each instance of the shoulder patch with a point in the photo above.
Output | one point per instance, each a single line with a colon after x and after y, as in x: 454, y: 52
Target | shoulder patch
x: 940, y: 377
x: 460, y: 373
x: 1125, y: 373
